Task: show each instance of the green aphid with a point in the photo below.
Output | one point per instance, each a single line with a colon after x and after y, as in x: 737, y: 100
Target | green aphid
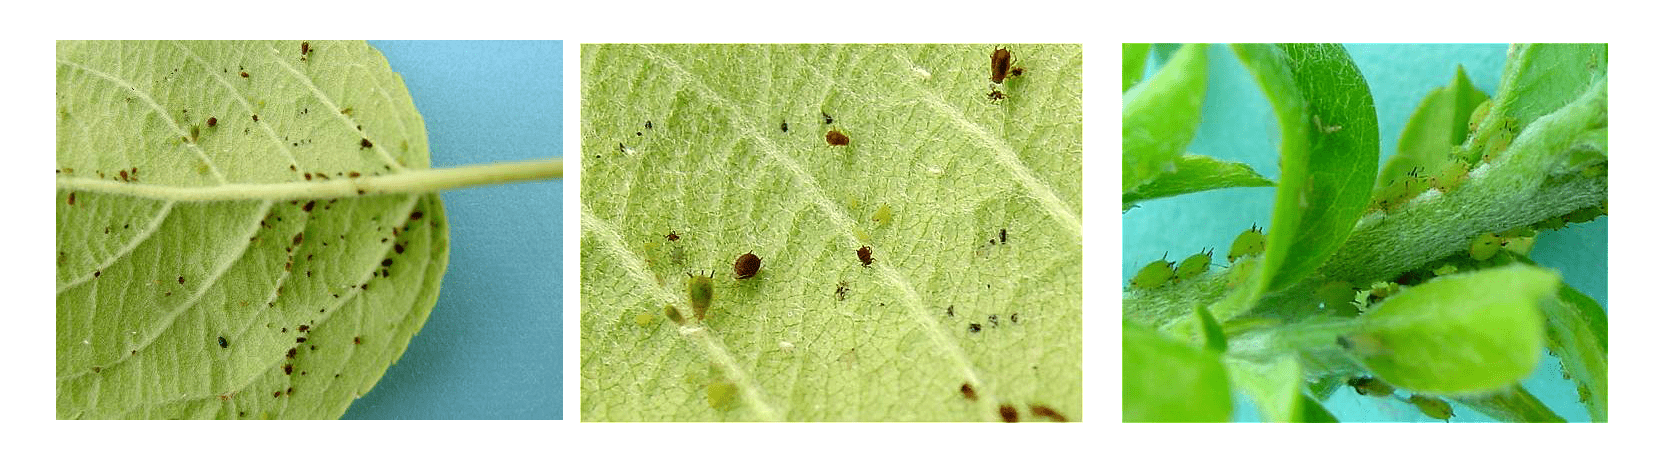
x: 701, y: 290
x: 721, y: 395
x: 1337, y: 296
x: 1153, y: 274
x: 1478, y: 115
x: 1194, y: 265
x: 1485, y: 246
x: 1445, y: 270
x: 1500, y: 141
x: 1452, y: 176
x: 673, y: 314
x: 884, y: 215
x: 644, y: 319
x: 1368, y: 386
x: 1381, y: 290
x: 1389, y: 197
x: 1249, y: 242
x: 1584, y: 215
x: 1433, y: 407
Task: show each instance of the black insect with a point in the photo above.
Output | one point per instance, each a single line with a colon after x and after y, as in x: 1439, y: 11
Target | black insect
x: 672, y: 236
x: 1000, y: 59
x: 647, y: 124
x: 950, y: 311
x: 827, y: 118
x: 746, y: 266
x: 223, y: 344
x: 973, y: 327
x: 365, y: 143
x: 1003, y: 234
x: 864, y: 255
x: 993, y: 320
x: 784, y: 126
x: 996, y: 95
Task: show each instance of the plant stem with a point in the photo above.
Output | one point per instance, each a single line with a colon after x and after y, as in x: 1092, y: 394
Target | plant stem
x: 410, y: 182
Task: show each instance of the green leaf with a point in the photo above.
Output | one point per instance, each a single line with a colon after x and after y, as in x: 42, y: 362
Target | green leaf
x: 1577, y: 332
x: 1196, y: 173
x: 1161, y: 115
x: 815, y: 334
x: 1461, y: 334
x: 1513, y: 405
x: 1165, y: 381
x: 1134, y: 63
x: 1214, y: 338
x: 1328, y: 152
x: 147, y: 286
x: 1275, y: 386
x: 1313, y: 412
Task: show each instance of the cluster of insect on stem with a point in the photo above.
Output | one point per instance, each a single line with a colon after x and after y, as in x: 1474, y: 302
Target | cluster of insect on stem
x: 1160, y: 272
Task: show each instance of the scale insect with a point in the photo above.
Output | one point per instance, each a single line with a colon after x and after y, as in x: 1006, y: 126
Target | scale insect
x: 1153, y: 274
x: 746, y: 266
x: 1249, y: 242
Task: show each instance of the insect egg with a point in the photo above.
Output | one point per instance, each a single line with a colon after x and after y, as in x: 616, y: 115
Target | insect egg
x: 836, y: 138
x: 864, y: 255
x: 746, y: 266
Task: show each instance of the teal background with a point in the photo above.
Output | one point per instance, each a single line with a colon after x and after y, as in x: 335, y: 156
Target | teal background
x: 1239, y: 125
x: 492, y: 347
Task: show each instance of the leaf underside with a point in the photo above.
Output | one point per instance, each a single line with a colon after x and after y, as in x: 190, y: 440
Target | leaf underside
x: 147, y: 288
x: 735, y: 160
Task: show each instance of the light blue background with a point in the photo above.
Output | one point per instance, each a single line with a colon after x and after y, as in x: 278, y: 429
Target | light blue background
x: 1239, y: 125
x: 492, y: 347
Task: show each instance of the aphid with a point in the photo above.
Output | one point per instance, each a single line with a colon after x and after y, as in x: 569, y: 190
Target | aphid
x: 288, y: 369
x: 1017, y: 71
x: 996, y: 95
x: 1368, y: 386
x: 841, y: 290
x: 647, y: 124
x: 672, y: 236
x: 292, y: 352
x: 968, y: 392
x: 884, y: 214
x: 973, y: 327
x: 195, y: 132
x: 827, y: 118
x: 71, y: 198
x: 305, y: 48
x: 644, y: 319
x: 365, y: 143
x: 784, y: 126
x: 357, y: 340
x: 1452, y: 176
x: 211, y: 122
x: 673, y: 314
x: 244, y: 74
x: 1009, y: 413
x: 256, y: 118
x: 1153, y: 274
x: 864, y: 255
x: 223, y: 344
x: 1003, y: 235
x: 1043, y: 411
x: 1433, y: 407
x: 1014, y: 318
x: 721, y: 394
x: 701, y: 290
x: 181, y: 280
x: 1000, y: 58
x: 1249, y: 242
x: 746, y: 266
x: 1194, y: 265
x: 836, y: 138
x: 1485, y: 246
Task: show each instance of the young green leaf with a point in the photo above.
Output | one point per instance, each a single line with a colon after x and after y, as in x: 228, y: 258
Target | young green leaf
x: 1134, y: 63
x: 1461, y: 334
x: 1196, y: 173
x: 1577, y: 332
x: 1167, y: 381
x: 1161, y: 115
x: 1275, y: 387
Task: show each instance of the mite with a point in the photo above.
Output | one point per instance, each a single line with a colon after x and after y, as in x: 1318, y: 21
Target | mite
x: 746, y: 266
x: 864, y: 255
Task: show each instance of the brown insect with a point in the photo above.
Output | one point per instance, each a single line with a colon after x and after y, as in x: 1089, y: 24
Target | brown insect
x: 366, y: 144
x: 747, y: 265
x: 71, y: 198
x: 211, y: 122
x: 244, y: 74
x: 305, y: 48
x: 672, y: 236
x: 1009, y: 413
x: 864, y: 255
x: 968, y: 392
x: 836, y: 138
x: 996, y: 95
x: 1044, y: 411
x: 1000, y: 58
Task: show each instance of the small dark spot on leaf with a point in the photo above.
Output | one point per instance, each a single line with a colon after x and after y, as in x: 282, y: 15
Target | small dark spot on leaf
x: 244, y: 74
x: 222, y: 344
x: 256, y: 118
x: 357, y: 340
x: 308, y: 205
x: 973, y: 327
x: 95, y: 273
x: 366, y: 144
x: 1043, y: 411
x: 386, y: 262
x: 968, y: 392
x: 71, y: 198
x: 397, y: 248
x: 416, y: 216
x: 1009, y: 413
x: 292, y: 352
x: 211, y: 122
x: 288, y: 369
